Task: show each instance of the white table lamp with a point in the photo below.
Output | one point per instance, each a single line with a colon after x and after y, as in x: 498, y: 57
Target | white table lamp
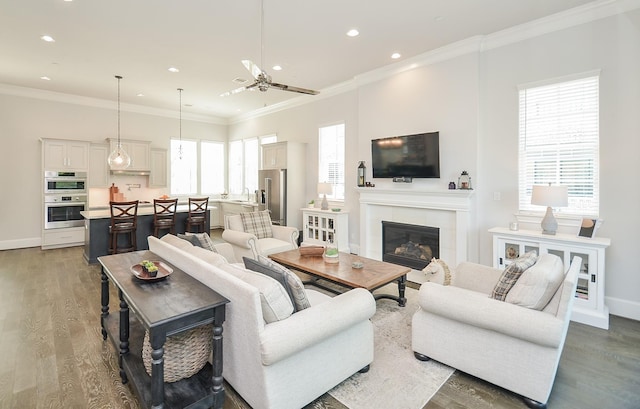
x: 325, y: 189
x: 550, y: 196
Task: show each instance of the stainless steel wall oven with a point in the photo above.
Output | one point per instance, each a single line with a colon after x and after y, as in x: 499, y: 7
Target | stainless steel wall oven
x: 64, y: 211
x: 65, y: 182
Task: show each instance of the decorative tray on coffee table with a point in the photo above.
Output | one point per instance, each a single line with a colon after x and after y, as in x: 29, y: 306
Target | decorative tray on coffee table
x: 140, y: 272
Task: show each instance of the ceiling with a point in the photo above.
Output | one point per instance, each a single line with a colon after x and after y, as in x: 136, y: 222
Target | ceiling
x: 207, y: 39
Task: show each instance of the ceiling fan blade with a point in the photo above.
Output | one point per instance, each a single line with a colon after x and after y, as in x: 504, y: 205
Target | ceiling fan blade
x: 237, y: 90
x: 290, y: 88
x: 253, y: 69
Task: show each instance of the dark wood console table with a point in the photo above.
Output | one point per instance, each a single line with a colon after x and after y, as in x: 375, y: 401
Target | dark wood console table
x: 172, y: 305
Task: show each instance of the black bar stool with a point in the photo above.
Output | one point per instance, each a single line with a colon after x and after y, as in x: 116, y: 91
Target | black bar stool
x: 124, y: 220
x: 197, y: 214
x: 164, y: 215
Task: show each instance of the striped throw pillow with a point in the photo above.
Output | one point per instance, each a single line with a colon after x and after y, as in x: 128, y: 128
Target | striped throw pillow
x: 512, y: 273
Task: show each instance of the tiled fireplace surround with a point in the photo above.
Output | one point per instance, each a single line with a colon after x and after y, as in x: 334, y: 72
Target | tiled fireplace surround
x: 449, y: 210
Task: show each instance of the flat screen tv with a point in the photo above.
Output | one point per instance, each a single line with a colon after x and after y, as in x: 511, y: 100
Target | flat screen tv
x: 413, y: 156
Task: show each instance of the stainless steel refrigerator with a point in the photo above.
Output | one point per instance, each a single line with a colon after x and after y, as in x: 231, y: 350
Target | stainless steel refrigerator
x: 272, y: 194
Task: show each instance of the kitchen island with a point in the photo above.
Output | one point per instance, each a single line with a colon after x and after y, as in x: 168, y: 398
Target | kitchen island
x: 96, y: 229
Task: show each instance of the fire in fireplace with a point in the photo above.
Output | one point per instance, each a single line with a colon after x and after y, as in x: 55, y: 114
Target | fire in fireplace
x: 409, y: 245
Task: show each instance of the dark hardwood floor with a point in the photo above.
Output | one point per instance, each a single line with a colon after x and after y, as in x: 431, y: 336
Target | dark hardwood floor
x: 52, y: 354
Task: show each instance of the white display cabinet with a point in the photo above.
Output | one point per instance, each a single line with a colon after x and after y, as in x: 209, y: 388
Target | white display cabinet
x: 589, y: 307
x: 319, y: 226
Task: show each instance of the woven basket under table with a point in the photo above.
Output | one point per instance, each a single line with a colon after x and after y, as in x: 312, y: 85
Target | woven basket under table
x: 184, y: 353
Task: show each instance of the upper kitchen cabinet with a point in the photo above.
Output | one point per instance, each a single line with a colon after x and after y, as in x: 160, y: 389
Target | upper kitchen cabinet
x: 60, y: 154
x: 139, y: 151
x: 158, y: 176
x: 98, y: 167
x: 275, y: 155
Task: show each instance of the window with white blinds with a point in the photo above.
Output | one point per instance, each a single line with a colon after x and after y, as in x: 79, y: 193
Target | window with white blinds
x: 559, y: 142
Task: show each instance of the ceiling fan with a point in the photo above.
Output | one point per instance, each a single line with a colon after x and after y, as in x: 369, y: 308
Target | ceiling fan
x: 262, y: 79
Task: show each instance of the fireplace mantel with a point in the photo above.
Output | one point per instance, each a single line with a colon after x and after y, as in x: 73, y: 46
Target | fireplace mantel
x: 450, y: 210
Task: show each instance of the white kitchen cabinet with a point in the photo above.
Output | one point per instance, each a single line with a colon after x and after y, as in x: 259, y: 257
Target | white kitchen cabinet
x: 159, y: 174
x: 589, y: 307
x: 138, y: 151
x: 274, y: 155
x: 98, y: 168
x: 67, y: 237
x: 60, y: 154
x: 319, y: 226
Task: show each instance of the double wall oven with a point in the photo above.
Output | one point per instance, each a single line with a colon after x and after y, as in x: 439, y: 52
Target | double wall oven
x: 65, y: 196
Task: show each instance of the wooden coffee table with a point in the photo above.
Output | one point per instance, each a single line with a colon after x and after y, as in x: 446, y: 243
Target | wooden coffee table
x: 373, y: 275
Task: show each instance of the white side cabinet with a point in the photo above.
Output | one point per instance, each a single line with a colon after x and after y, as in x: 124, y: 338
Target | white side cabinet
x: 319, y: 226
x: 60, y: 154
x: 589, y: 307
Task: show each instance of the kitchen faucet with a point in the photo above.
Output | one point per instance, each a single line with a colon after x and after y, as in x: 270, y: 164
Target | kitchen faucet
x: 248, y: 194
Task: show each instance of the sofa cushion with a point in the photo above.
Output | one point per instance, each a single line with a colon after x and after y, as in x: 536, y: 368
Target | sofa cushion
x: 210, y: 257
x: 257, y: 223
x: 274, y: 299
x: 291, y: 282
x: 199, y: 239
x: 512, y: 273
x: 176, y: 241
x: 537, y: 284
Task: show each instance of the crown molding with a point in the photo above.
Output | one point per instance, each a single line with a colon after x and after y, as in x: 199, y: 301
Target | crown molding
x: 34, y: 93
x: 570, y: 18
x: 565, y: 19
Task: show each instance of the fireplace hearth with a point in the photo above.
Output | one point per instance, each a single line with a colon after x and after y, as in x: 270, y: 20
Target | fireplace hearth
x: 409, y: 245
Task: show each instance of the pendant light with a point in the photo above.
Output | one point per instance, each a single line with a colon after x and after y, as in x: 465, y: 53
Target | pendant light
x: 119, y: 159
x: 180, y: 146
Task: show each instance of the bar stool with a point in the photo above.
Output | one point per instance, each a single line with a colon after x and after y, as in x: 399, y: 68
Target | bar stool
x: 164, y: 215
x: 124, y: 220
x: 197, y: 216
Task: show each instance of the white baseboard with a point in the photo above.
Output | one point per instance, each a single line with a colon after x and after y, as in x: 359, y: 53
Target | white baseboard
x: 20, y: 243
x: 623, y: 308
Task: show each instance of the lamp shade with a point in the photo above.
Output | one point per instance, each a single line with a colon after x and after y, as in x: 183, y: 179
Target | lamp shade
x: 551, y: 196
x: 325, y: 188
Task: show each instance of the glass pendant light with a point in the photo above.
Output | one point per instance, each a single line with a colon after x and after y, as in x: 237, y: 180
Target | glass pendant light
x: 180, y: 146
x: 119, y: 159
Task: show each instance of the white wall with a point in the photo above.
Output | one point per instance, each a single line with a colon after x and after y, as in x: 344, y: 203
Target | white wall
x: 612, y: 46
x: 23, y: 121
x: 472, y: 100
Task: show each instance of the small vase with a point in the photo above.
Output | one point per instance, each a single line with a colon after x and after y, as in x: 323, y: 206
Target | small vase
x: 331, y: 253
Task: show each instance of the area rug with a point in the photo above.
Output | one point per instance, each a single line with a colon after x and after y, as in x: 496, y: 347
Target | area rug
x: 396, y: 378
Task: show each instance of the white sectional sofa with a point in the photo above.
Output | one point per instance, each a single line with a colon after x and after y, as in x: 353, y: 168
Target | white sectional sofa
x: 289, y: 362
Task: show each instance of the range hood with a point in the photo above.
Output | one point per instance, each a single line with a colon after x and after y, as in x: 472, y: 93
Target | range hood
x: 130, y: 172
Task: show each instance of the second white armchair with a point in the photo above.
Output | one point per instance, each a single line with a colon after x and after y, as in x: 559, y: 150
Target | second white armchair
x: 252, y: 234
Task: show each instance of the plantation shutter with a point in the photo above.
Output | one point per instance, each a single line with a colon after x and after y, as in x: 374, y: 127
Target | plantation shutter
x: 559, y: 142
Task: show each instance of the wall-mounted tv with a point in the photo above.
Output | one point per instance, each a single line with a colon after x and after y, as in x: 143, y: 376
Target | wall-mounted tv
x: 412, y: 156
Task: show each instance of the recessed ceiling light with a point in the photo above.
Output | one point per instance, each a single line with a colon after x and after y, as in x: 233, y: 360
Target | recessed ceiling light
x: 277, y: 67
x: 239, y: 80
x: 173, y: 69
x: 45, y: 78
x: 140, y: 94
x: 48, y: 39
x: 188, y: 105
x: 395, y: 56
x: 353, y: 32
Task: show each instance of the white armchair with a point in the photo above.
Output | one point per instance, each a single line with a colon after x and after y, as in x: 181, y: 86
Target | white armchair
x: 248, y: 244
x: 509, y: 345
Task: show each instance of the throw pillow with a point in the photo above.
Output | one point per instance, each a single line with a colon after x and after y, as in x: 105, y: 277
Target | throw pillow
x: 286, y: 278
x: 257, y: 223
x: 203, y: 240
x: 191, y: 239
x: 512, y: 273
x: 274, y: 300
x: 538, y: 284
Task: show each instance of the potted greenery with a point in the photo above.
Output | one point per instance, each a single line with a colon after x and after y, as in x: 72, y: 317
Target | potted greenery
x: 312, y: 204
